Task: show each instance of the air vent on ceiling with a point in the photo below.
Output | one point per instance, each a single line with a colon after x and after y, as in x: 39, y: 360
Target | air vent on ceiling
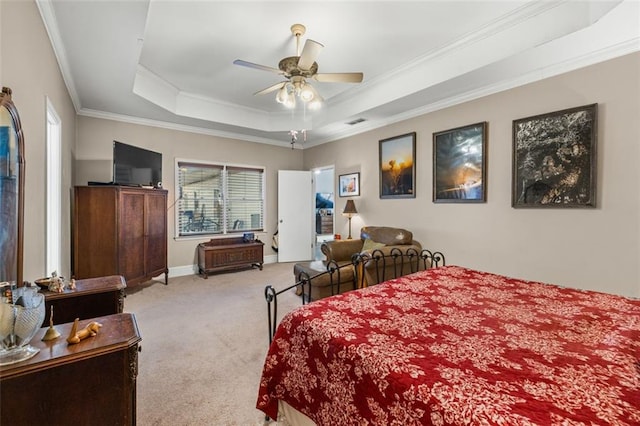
x: 356, y: 121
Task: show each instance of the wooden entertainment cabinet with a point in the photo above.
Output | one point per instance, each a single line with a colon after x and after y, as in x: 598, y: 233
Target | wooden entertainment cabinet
x: 120, y: 230
x: 229, y: 253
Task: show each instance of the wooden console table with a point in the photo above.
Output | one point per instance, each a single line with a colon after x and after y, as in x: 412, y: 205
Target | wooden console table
x: 229, y: 253
x: 91, y: 383
x: 93, y: 297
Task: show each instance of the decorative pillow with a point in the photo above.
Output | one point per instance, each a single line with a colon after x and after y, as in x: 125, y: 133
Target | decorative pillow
x: 370, y: 245
x: 387, y: 235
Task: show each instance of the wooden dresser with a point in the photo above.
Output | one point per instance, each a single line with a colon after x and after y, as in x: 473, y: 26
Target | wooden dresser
x: 324, y: 224
x: 91, y: 383
x: 93, y: 297
x: 229, y: 253
x: 119, y: 230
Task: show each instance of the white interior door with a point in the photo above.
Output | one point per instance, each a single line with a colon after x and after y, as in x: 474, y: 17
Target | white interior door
x: 295, y: 216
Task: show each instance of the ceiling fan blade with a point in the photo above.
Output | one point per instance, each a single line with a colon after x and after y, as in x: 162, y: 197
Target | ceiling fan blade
x: 310, y: 52
x: 256, y: 66
x: 339, y: 77
x: 271, y: 88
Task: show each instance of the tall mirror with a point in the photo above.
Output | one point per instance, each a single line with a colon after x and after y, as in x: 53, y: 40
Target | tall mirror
x: 11, y: 190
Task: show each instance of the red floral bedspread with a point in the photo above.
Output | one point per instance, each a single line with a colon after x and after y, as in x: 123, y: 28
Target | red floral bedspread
x: 456, y: 346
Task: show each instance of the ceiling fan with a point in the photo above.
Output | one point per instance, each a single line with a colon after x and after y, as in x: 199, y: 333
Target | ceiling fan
x: 297, y: 69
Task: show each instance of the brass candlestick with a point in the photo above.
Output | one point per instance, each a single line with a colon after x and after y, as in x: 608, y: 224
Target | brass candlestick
x: 51, y: 333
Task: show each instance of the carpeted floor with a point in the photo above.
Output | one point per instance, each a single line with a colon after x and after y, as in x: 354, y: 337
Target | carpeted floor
x: 203, y: 345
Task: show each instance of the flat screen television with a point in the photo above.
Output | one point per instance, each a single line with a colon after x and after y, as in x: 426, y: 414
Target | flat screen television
x: 134, y: 166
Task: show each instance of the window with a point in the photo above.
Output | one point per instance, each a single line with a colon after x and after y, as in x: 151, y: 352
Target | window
x: 218, y: 199
x: 54, y: 191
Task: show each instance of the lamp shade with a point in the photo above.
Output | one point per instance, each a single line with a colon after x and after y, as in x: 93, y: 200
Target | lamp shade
x: 350, y: 208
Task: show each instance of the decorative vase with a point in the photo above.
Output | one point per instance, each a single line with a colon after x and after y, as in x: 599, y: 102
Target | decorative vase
x: 20, y: 319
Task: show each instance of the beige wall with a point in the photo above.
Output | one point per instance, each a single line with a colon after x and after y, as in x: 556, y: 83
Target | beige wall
x: 30, y: 69
x: 586, y: 248
x: 95, y: 151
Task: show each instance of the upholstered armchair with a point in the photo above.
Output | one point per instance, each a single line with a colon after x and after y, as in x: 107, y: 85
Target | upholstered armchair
x: 383, y: 238
x: 379, y: 239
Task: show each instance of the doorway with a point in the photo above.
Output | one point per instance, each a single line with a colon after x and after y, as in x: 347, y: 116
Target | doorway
x: 324, y: 194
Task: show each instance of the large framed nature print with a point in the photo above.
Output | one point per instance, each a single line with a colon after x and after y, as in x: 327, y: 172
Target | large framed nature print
x: 459, y: 172
x: 554, y: 159
x: 398, y: 166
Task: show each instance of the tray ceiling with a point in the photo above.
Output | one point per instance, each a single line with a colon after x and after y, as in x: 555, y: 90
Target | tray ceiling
x: 170, y: 63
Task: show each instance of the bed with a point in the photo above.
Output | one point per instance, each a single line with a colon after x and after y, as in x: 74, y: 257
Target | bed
x: 451, y: 345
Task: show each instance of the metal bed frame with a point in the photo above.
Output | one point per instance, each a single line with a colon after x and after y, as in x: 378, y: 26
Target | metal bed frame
x: 396, y: 261
x: 400, y: 263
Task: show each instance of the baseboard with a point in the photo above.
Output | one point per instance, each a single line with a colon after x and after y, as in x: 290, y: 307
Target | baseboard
x: 181, y: 271
x: 273, y: 258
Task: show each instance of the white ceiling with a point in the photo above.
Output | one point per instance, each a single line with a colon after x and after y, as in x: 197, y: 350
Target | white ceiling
x: 170, y: 62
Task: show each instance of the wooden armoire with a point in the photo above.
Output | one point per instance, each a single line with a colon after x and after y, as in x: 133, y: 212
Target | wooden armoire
x: 120, y: 230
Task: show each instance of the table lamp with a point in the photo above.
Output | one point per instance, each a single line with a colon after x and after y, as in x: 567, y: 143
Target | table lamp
x: 350, y: 211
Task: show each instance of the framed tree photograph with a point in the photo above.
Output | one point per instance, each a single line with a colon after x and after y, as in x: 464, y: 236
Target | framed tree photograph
x: 349, y: 185
x: 398, y: 166
x: 554, y: 159
x: 459, y: 171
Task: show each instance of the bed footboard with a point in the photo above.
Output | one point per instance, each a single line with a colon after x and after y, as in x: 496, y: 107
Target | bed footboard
x: 379, y: 265
x: 303, y: 282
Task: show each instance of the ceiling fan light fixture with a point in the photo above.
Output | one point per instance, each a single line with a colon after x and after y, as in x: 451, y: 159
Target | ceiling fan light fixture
x: 287, y: 94
x: 290, y: 100
x: 307, y: 92
x: 315, y: 103
x: 282, y: 95
x: 297, y: 69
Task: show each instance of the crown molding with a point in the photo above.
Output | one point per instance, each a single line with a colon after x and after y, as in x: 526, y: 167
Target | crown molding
x: 48, y: 18
x: 182, y: 127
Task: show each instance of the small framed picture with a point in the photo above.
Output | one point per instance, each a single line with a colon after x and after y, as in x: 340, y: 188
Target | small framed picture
x: 349, y: 185
x: 398, y: 166
x: 459, y: 172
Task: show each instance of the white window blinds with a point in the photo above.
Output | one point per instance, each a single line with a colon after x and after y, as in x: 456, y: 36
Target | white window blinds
x: 219, y: 199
